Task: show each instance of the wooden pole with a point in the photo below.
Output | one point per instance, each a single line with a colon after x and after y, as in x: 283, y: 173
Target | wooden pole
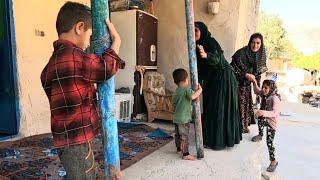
x: 101, y: 41
x: 194, y: 75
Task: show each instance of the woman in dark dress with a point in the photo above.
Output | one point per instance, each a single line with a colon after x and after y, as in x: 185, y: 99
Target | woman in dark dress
x: 221, y: 123
x: 249, y: 62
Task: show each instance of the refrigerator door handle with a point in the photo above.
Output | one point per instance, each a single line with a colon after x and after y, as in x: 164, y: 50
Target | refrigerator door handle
x: 153, y: 53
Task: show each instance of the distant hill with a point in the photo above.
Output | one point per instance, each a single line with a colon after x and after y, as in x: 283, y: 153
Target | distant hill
x: 305, y: 38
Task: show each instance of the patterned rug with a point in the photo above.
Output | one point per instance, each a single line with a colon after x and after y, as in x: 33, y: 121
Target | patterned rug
x: 35, y: 158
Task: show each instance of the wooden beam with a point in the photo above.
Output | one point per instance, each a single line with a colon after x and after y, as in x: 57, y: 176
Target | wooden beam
x: 194, y: 75
x: 101, y: 41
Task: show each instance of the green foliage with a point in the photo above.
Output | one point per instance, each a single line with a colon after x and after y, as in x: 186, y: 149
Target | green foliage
x: 277, y: 44
x: 289, y: 50
x: 307, y: 62
x: 271, y: 27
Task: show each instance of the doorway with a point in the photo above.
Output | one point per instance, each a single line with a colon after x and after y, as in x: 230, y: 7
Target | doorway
x: 9, y: 111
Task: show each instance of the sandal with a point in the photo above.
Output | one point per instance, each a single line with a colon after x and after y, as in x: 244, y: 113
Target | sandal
x: 246, y: 131
x: 256, y: 138
x: 272, y: 167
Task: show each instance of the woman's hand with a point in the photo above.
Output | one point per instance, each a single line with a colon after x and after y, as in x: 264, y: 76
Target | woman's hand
x: 203, y: 53
x: 250, y: 77
x: 255, y: 81
x: 259, y: 113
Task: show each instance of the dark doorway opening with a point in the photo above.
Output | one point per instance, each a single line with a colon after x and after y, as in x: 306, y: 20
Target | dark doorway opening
x: 9, y: 111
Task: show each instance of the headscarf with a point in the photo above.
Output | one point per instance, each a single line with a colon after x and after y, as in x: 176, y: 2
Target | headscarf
x: 273, y: 92
x: 249, y: 61
x: 210, y: 45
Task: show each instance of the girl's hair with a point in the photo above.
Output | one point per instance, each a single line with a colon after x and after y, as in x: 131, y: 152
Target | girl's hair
x: 273, y: 87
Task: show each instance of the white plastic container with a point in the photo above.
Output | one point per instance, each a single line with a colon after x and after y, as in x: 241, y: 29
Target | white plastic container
x: 124, y: 106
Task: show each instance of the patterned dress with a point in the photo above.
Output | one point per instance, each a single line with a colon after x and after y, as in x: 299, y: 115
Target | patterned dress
x: 245, y: 61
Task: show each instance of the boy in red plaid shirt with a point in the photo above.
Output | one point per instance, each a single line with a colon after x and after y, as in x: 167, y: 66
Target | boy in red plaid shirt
x: 68, y: 80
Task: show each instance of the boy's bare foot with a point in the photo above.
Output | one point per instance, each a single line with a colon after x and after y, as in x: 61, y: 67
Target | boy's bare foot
x: 189, y: 157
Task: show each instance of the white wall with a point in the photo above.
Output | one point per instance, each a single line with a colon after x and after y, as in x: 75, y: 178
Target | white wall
x: 33, y: 52
x: 248, y: 21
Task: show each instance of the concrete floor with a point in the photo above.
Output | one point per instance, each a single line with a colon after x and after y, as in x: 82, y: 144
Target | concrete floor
x: 297, y: 150
x: 240, y: 162
x: 297, y: 145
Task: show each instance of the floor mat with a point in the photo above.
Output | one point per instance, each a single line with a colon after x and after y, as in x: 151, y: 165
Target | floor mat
x: 35, y: 158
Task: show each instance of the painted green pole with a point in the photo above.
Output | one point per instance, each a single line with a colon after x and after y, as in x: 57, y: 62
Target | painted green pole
x: 194, y: 75
x: 101, y: 41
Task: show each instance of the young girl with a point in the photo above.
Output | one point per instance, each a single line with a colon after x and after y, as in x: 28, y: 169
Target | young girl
x: 268, y: 116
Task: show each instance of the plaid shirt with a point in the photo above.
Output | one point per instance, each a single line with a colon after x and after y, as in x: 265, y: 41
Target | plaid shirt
x: 68, y: 80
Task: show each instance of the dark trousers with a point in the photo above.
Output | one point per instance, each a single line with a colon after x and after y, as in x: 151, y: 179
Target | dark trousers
x: 262, y: 122
x: 182, y: 138
x: 78, y: 161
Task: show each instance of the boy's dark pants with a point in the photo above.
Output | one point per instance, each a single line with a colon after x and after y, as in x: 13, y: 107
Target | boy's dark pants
x: 262, y: 122
x: 78, y: 161
x: 182, y: 138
